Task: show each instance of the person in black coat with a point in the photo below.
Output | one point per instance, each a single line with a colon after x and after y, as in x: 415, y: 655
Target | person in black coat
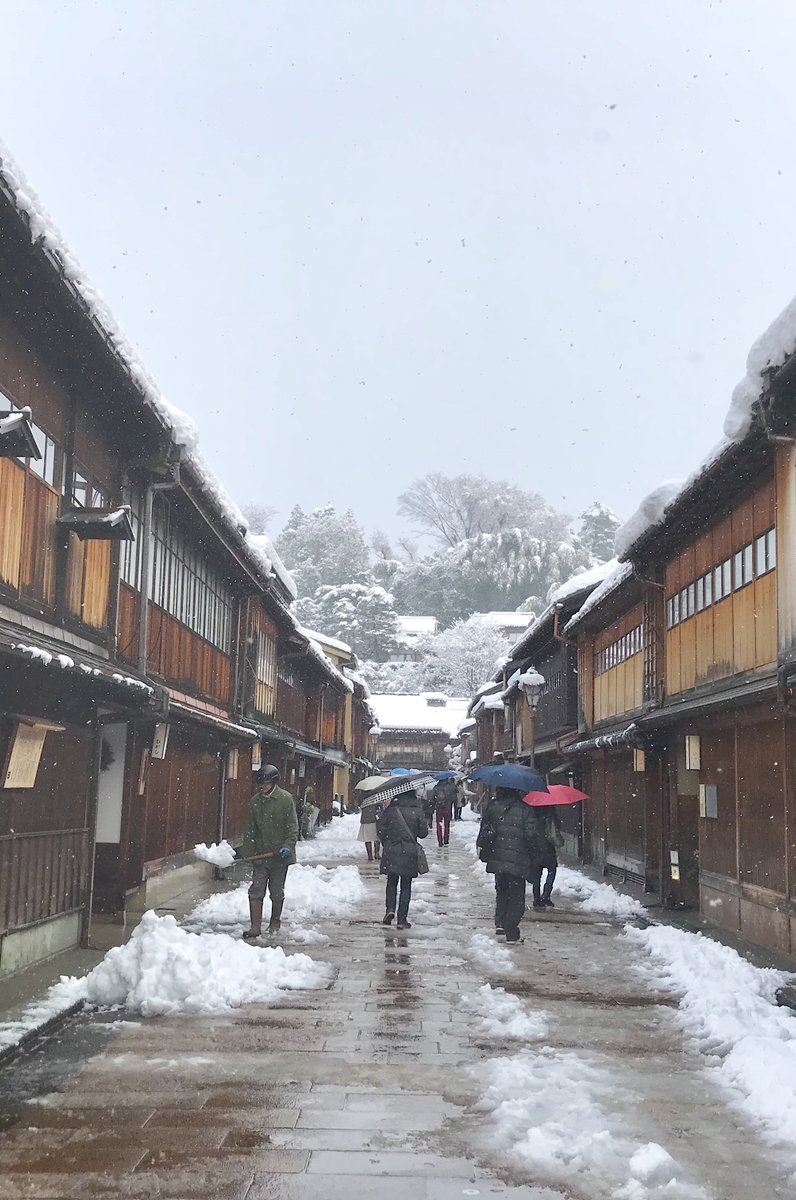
x: 399, y: 827
x: 507, y: 841
x: 547, y: 838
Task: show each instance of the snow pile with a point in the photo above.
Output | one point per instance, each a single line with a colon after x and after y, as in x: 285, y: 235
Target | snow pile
x: 165, y: 969
x: 596, y: 897
x: 338, y: 839
x: 648, y: 514
x: 728, y: 1007
x: 220, y: 854
x: 768, y: 352
x: 310, y: 893
x: 59, y: 999
x: 553, y: 1115
x: 491, y: 956
x: 504, y: 1015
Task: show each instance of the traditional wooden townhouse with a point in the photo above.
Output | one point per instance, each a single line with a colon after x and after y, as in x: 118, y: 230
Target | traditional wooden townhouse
x: 415, y: 732
x: 486, y: 709
x: 687, y: 656
x: 148, y: 657
x: 539, y: 682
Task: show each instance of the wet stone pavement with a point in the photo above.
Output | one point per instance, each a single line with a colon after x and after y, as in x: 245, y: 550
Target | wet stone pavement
x: 368, y: 1088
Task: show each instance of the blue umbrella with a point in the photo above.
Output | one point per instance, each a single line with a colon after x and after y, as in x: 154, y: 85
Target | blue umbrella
x: 510, y: 775
x: 444, y: 774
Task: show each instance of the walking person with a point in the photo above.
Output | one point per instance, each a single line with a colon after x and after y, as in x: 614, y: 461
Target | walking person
x: 443, y: 808
x: 506, y: 842
x: 270, y: 842
x: 399, y: 827
x: 547, y: 837
x: 368, y: 832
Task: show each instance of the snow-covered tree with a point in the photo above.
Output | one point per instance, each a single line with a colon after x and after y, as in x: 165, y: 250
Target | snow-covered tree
x: 597, y: 530
x: 454, y: 509
x: 259, y: 516
x: 361, y: 613
x: 322, y: 547
x: 461, y: 657
x: 393, y: 678
x: 501, y: 571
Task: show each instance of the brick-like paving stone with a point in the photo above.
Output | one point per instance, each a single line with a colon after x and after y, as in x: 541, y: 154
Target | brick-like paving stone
x: 367, y: 1088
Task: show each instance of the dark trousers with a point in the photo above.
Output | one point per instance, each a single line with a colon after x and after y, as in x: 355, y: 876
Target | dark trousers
x: 269, y: 873
x: 509, y: 902
x: 457, y: 812
x: 406, y: 895
x: 443, y: 827
x: 549, y: 863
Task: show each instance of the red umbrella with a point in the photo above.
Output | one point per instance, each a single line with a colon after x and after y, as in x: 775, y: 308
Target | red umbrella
x: 558, y: 793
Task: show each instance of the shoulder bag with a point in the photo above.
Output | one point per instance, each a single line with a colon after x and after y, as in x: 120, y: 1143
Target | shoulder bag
x: 422, y: 861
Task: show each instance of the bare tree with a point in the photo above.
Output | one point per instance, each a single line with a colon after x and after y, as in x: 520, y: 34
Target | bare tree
x: 259, y: 516
x: 455, y: 508
x: 380, y: 545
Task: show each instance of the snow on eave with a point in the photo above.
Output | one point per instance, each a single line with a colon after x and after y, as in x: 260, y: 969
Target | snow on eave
x: 585, y: 581
x: 488, y: 704
x: 324, y: 640
x: 620, y: 575
x: 181, y: 428
x: 768, y: 353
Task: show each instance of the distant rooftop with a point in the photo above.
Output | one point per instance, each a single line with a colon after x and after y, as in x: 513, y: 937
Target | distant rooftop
x: 431, y: 711
x: 417, y: 626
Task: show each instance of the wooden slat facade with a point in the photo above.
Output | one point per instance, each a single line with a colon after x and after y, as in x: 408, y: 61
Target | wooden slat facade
x: 739, y: 631
x: 619, y: 689
x: 176, y: 653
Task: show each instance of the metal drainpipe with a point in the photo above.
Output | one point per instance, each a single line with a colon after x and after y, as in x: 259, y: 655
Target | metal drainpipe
x: 146, y: 537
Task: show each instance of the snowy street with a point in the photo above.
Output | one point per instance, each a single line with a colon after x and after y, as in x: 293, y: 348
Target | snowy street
x: 435, y: 1063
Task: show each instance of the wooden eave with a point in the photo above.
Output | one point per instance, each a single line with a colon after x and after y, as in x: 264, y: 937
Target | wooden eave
x: 733, y: 475
x: 43, y: 300
x: 611, y: 607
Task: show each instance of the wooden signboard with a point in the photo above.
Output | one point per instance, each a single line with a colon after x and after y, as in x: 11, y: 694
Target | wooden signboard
x: 24, y: 756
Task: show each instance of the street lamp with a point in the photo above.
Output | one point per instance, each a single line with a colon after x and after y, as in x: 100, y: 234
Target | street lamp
x: 531, y: 684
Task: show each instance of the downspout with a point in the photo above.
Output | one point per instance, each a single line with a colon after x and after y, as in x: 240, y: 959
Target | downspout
x: 148, y: 551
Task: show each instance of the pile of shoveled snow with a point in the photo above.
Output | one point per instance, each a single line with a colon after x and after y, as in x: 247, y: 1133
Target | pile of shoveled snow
x: 338, y: 839
x: 493, y: 957
x: 727, y: 1005
x: 310, y: 893
x: 165, y: 969
x: 554, y: 1116
x: 220, y: 854
x: 596, y: 897
x: 504, y: 1015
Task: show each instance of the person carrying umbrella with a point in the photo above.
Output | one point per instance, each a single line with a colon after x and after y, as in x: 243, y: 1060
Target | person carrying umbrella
x: 507, y: 840
x: 443, y: 795
x: 399, y: 826
x: 547, y: 825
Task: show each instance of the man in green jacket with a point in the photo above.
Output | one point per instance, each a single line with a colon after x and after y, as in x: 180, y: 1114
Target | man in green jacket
x: 270, y: 842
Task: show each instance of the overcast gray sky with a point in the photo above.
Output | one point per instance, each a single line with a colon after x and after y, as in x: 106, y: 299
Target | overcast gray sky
x: 361, y: 241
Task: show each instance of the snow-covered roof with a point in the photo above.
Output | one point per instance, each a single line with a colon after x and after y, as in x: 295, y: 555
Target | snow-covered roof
x: 492, y: 703
x: 505, y: 620
x: 182, y: 429
x: 325, y: 640
x: 620, y: 574
x: 581, y: 582
x: 770, y: 351
x: 418, y: 626
x: 415, y: 712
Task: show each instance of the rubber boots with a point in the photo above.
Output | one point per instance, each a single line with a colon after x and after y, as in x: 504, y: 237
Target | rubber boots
x: 256, y: 911
x: 275, y: 923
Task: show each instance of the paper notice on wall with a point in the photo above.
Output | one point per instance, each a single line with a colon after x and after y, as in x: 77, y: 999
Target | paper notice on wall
x: 25, y: 755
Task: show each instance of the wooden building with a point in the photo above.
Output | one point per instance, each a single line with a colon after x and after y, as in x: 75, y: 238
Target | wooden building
x: 686, y: 659
x: 539, y: 736
x: 148, y: 656
x: 416, y: 731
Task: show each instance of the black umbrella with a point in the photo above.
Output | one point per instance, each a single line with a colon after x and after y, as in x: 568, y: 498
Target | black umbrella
x: 510, y: 775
